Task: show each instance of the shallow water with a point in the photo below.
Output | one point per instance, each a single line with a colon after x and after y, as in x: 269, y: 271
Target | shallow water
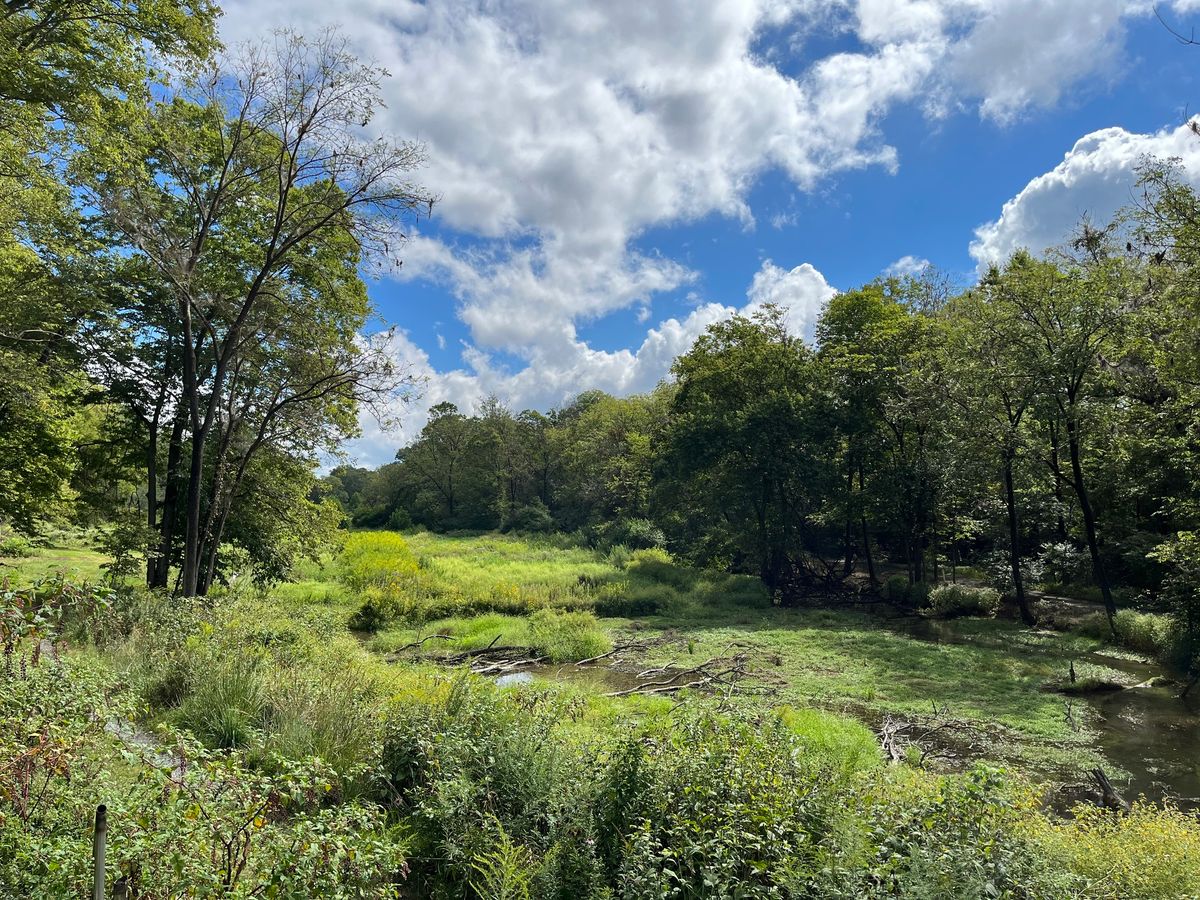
x: 1155, y: 736
x: 1147, y: 732
x: 602, y: 677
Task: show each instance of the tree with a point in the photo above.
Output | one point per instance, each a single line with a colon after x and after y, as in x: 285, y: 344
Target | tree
x: 251, y: 192
x: 66, y: 55
x: 749, y: 446
x: 995, y: 383
x: 1073, y: 316
x: 878, y: 351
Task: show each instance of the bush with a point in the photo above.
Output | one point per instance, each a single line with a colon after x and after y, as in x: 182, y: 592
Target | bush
x: 532, y: 519
x: 566, y: 636
x: 15, y: 546
x: 898, y: 589
x: 1151, y: 854
x: 640, y: 534
x: 1150, y: 634
x: 951, y: 600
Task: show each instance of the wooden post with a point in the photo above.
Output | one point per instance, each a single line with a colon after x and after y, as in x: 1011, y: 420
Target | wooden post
x: 99, y: 836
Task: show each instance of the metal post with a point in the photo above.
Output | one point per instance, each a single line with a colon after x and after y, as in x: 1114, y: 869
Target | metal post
x: 99, y: 836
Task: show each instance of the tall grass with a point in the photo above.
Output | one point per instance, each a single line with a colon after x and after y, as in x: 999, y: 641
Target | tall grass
x: 422, y: 578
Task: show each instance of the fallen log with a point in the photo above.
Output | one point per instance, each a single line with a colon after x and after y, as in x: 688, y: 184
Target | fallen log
x: 1109, y: 798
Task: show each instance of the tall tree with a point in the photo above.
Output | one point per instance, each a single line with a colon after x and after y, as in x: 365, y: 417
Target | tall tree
x: 237, y: 186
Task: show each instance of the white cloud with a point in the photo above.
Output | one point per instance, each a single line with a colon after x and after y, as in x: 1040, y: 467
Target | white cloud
x: 560, y: 131
x: 907, y: 265
x: 1096, y: 178
x: 550, y: 380
x: 802, y: 292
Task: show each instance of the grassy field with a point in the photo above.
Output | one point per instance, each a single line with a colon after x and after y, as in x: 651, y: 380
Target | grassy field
x: 992, y: 675
x: 566, y: 602
x: 344, y: 690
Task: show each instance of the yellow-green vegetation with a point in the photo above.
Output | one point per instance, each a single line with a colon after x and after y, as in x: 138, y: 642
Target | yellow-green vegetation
x: 266, y: 724
x: 987, y: 672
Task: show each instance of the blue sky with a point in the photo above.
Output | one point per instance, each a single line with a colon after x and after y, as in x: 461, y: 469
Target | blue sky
x: 616, y: 176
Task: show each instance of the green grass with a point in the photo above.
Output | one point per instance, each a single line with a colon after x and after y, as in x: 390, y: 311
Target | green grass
x: 992, y: 674
x: 569, y: 602
x: 75, y: 563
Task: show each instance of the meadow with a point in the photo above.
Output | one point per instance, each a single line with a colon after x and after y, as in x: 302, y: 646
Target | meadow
x: 332, y: 723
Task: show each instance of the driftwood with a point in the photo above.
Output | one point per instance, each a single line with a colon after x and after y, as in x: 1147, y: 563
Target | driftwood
x: 718, y: 671
x: 1109, y: 798
x: 932, y: 735
x: 421, y: 643
x: 889, y: 739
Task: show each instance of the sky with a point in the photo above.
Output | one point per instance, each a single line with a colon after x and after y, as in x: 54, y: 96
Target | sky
x: 615, y: 176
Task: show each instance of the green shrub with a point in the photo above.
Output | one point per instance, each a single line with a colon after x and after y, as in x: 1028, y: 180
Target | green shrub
x: 618, y: 556
x: 711, y: 810
x: 532, y: 519
x: 473, y: 765
x: 638, y: 534
x: 15, y: 546
x: 951, y: 600
x: 898, y: 589
x: 1150, y: 634
x: 1151, y: 854
x: 567, y: 636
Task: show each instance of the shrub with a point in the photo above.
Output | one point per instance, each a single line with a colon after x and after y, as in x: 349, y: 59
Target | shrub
x: 1151, y: 853
x: 533, y: 519
x: 640, y: 534
x: 15, y: 545
x: 951, y: 600
x: 619, y: 556
x: 566, y: 636
x: 898, y: 589
x: 478, y: 774
x: 1150, y: 634
x: 710, y: 809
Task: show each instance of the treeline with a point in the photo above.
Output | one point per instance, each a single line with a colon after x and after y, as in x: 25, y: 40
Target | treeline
x: 182, y: 232
x: 1041, y: 426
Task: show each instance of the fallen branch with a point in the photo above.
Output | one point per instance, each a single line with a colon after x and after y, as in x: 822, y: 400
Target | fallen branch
x: 415, y: 644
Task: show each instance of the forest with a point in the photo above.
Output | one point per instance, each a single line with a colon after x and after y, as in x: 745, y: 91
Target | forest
x: 911, y: 608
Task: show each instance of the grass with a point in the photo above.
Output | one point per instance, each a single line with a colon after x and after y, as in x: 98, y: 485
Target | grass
x: 990, y: 673
x: 272, y: 680
x: 570, y: 602
x: 73, y: 562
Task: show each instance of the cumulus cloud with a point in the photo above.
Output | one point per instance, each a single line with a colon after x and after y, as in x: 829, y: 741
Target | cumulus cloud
x: 551, y: 380
x: 1095, y: 179
x: 560, y: 132
x: 907, y: 265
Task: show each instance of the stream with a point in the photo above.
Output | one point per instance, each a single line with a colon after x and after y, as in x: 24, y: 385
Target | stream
x: 1147, y: 731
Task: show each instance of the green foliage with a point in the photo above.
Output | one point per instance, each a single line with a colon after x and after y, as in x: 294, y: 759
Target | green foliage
x: 950, y: 600
x: 1149, y: 854
x: 15, y: 546
x: 534, y: 518
x: 566, y: 636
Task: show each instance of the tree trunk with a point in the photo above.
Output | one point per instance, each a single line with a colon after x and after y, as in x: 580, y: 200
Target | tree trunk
x: 848, y: 563
x: 1089, y: 523
x: 866, y: 534
x: 1061, y: 523
x: 152, y: 488
x: 1014, y: 540
x: 170, y: 505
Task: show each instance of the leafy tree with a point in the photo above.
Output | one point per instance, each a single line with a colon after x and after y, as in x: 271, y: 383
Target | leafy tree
x: 749, y: 446
x: 251, y: 194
